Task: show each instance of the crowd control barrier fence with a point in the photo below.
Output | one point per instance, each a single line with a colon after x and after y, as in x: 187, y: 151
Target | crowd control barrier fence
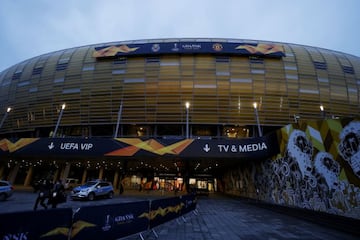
x: 111, y: 221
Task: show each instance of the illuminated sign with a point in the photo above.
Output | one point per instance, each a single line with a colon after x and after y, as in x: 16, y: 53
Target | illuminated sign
x: 253, y: 49
x: 247, y: 148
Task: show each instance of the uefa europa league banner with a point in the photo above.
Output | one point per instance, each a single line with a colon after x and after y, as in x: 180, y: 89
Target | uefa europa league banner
x: 35, y: 225
x: 110, y: 221
x: 188, y: 202
x: 164, y: 210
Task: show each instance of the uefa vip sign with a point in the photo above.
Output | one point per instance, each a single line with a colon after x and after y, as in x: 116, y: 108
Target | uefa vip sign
x: 261, y: 147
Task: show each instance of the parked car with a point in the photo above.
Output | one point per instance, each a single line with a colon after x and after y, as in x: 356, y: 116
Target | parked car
x: 70, y: 183
x: 92, y: 190
x: 6, y: 190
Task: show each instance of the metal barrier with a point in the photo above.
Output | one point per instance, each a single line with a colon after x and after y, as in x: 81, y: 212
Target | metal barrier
x: 111, y: 221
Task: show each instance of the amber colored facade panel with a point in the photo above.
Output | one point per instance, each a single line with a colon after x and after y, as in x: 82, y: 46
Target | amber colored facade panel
x: 153, y: 89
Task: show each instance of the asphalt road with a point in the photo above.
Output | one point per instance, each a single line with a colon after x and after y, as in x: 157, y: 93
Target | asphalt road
x: 24, y: 200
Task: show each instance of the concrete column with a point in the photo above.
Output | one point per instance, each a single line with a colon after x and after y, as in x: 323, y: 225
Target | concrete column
x: 28, y: 177
x: 65, y: 174
x: 57, y: 175
x: 2, y: 169
x: 101, y: 173
x: 13, y: 173
x: 116, y: 179
x: 84, y: 176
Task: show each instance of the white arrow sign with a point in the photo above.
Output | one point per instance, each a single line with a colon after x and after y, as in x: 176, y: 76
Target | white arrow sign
x: 51, y: 146
x: 206, y: 148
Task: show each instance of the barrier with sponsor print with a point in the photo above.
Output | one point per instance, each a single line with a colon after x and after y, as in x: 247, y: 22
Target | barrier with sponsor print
x: 188, y: 204
x: 164, y: 210
x: 112, y: 221
x: 47, y: 225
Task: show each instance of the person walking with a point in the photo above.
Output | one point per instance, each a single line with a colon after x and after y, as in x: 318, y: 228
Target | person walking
x: 57, y: 194
x: 44, y: 192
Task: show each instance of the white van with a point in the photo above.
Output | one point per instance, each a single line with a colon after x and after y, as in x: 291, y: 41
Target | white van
x: 70, y: 183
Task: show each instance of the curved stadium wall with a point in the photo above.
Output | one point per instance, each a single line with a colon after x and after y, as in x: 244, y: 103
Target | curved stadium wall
x: 220, y: 78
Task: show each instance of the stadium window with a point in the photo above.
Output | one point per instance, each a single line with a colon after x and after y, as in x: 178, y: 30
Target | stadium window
x: 59, y: 80
x: 63, y: 60
x: 290, y: 67
x: 241, y: 80
x: 152, y: 60
x: 308, y: 91
x: 71, y: 90
x: 352, y: 90
x: 292, y: 76
x: 320, y: 65
x: 37, y: 71
x: 257, y: 71
x: 134, y: 80
x: 118, y: 71
x: 33, y: 89
x: 120, y: 61
x: 88, y: 67
x: 169, y: 64
x: 348, y: 69
x: 323, y: 80
x: 62, y: 64
x: 222, y: 59
x: 256, y: 60
x: 22, y: 84
x: 204, y: 86
x: 16, y: 75
x: 221, y: 73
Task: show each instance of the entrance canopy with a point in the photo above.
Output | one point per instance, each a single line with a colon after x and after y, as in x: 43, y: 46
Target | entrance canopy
x: 154, y: 151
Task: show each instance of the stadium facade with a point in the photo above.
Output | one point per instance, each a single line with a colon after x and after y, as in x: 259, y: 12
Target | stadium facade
x: 180, y: 111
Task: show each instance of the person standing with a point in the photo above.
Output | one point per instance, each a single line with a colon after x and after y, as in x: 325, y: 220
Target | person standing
x: 57, y: 194
x: 44, y: 192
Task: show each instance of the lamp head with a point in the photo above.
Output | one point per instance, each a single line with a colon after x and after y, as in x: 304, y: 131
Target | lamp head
x: 255, y: 105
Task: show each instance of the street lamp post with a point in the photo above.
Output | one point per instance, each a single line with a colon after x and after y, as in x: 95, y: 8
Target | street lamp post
x: 118, y: 120
x: 187, y: 105
x: 59, y: 119
x: 5, y: 116
x: 322, y: 111
x: 296, y: 118
x: 257, y: 118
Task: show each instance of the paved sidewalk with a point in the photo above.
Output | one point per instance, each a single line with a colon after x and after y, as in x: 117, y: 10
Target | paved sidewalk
x: 220, y: 217
x: 231, y: 219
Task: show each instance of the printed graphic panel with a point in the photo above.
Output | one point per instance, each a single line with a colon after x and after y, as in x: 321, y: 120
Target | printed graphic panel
x: 247, y: 148
x: 254, y: 49
x: 42, y: 224
x: 164, y: 210
x: 110, y: 221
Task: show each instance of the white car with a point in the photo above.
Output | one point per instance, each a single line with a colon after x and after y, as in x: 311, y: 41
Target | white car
x: 6, y: 190
x: 93, y: 189
x: 70, y: 183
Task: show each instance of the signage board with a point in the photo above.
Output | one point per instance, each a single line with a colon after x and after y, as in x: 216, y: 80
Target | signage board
x: 252, y: 49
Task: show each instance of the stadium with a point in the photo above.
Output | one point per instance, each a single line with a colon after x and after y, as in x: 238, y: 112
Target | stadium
x: 156, y: 110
